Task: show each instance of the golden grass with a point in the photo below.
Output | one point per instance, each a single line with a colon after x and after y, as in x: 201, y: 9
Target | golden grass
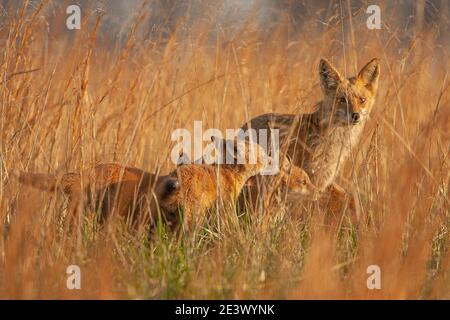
x: 93, y: 99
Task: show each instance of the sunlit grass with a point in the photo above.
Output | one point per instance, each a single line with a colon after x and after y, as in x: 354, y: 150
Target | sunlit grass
x: 84, y: 100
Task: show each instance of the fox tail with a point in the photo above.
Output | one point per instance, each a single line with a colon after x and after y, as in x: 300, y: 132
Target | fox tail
x: 40, y: 181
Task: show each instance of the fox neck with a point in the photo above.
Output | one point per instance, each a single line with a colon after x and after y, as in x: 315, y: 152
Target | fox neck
x: 330, y: 147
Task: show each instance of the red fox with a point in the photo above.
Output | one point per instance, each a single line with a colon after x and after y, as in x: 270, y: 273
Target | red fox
x: 203, y: 185
x: 136, y: 194
x: 320, y: 142
x: 291, y: 183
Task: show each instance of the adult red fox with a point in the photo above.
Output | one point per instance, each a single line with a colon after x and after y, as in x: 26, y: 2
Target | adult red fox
x: 320, y: 142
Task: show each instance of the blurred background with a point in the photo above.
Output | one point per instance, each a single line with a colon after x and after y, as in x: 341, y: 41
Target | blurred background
x: 163, y: 17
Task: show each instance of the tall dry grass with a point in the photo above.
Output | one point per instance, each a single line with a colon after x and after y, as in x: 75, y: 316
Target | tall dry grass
x: 70, y: 99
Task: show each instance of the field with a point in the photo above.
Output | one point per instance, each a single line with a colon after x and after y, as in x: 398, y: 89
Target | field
x: 73, y: 98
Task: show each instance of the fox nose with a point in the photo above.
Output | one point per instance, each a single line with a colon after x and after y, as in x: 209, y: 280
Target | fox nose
x: 356, y: 117
x: 170, y: 186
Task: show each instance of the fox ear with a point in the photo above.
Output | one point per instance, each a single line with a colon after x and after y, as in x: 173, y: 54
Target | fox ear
x: 183, y: 158
x: 369, y: 74
x: 218, y: 141
x: 251, y: 182
x: 222, y: 146
x: 329, y: 76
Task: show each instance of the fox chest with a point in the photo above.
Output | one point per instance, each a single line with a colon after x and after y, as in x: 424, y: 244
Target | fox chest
x: 322, y: 155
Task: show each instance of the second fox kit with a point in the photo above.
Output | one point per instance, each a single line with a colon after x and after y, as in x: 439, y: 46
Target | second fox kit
x: 202, y: 185
x: 320, y: 142
x: 135, y: 194
x: 291, y: 183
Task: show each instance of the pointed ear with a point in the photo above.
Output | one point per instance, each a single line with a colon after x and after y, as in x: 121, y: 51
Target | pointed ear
x: 183, y: 158
x: 219, y: 145
x: 224, y: 147
x: 214, y: 139
x: 218, y: 142
x: 251, y: 182
x: 369, y: 74
x: 329, y: 76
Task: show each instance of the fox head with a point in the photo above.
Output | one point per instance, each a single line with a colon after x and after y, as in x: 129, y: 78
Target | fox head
x: 296, y: 181
x: 249, y: 155
x: 246, y: 155
x: 348, y: 101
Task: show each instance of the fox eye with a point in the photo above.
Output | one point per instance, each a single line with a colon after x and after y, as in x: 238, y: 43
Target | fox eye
x: 362, y: 100
x: 342, y: 100
x: 303, y: 182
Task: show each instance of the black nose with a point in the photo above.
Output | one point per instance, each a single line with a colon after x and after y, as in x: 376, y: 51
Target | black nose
x: 356, y: 117
x: 170, y: 186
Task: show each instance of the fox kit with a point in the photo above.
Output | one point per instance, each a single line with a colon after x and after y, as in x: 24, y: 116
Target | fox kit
x: 200, y: 186
x: 320, y: 142
x: 136, y: 194
x: 292, y: 183
x: 109, y: 188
